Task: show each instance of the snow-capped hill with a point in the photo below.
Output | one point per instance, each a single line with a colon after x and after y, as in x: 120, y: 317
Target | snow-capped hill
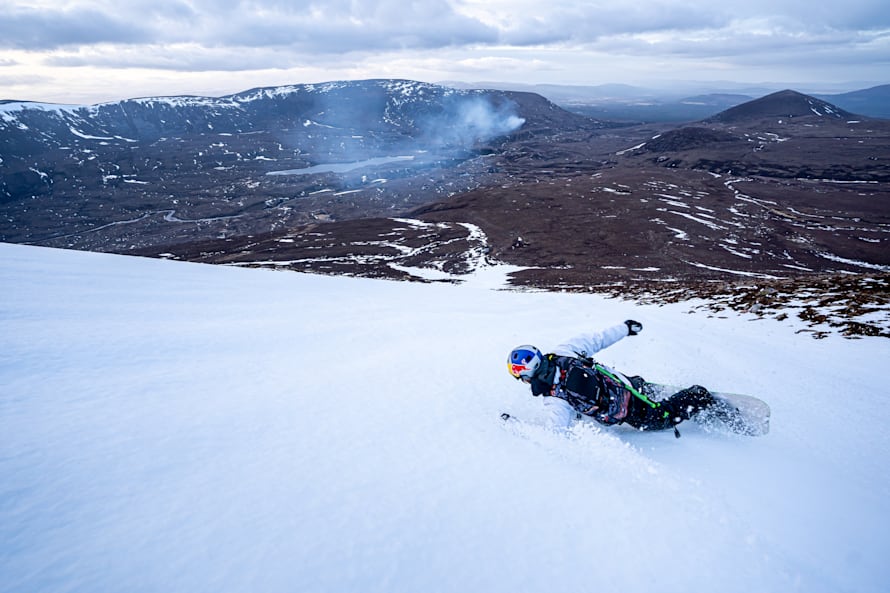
x: 360, y: 106
x: 65, y: 152
x: 29, y: 130
x: 392, y: 87
x: 156, y: 154
x: 783, y: 104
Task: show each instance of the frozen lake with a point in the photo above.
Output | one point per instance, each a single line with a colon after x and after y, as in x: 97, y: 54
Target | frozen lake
x: 342, y: 167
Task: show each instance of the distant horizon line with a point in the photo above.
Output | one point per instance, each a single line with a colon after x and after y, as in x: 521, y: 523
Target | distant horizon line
x: 667, y: 88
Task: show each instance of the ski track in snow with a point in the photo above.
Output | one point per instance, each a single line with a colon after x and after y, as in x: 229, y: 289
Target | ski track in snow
x: 172, y: 427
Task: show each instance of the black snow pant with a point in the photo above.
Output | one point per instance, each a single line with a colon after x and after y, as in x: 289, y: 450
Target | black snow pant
x: 681, y: 406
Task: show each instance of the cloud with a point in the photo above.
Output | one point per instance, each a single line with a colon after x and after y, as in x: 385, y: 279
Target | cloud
x: 11, y: 81
x: 558, y: 41
x: 743, y: 40
x: 521, y: 21
x: 32, y: 29
x: 336, y: 26
x: 808, y: 16
x: 179, y: 57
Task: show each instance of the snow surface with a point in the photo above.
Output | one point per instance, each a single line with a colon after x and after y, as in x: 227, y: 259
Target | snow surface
x: 177, y: 427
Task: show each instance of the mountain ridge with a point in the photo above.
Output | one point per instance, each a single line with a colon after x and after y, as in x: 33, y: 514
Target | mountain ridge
x: 149, y: 117
x: 787, y: 103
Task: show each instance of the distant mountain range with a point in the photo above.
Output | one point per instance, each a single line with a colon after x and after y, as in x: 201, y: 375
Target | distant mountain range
x: 378, y: 177
x: 873, y: 102
x: 637, y: 104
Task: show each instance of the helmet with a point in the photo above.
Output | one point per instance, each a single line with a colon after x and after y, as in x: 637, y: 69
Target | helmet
x: 524, y: 361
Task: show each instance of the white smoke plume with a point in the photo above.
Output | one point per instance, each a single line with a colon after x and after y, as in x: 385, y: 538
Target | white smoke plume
x: 470, y: 121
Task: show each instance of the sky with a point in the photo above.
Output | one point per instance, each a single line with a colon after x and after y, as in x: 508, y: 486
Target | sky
x: 89, y: 51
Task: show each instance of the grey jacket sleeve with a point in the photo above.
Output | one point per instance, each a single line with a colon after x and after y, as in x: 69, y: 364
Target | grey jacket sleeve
x: 559, y: 415
x: 590, y: 344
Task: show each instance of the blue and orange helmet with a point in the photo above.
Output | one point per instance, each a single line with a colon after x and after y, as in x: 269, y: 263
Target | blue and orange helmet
x: 524, y: 361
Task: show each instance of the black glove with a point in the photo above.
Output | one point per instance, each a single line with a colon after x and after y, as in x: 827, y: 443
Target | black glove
x: 633, y: 327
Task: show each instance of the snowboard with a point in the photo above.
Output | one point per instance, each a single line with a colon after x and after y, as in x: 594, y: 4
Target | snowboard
x: 741, y: 414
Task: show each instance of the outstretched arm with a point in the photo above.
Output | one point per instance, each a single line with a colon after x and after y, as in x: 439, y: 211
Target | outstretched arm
x: 590, y: 344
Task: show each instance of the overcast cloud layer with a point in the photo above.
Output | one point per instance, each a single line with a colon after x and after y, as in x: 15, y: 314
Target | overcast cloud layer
x: 103, y: 49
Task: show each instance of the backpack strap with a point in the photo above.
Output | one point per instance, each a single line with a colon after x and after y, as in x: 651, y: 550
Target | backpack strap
x: 639, y: 395
x: 578, y: 382
x: 562, y: 364
x: 588, y: 361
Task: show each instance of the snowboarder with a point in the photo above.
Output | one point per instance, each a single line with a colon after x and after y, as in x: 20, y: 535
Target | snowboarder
x: 572, y: 383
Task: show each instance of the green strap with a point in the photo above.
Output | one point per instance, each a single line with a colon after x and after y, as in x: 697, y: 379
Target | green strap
x: 630, y: 388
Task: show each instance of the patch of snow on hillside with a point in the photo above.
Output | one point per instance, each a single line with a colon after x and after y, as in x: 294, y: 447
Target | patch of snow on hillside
x: 852, y: 262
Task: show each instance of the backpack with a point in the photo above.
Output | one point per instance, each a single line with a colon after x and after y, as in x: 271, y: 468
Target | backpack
x: 580, y: 384
x: 593, y: 390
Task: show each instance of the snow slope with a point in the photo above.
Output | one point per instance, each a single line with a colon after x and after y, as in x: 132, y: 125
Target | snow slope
x: 177, y: 427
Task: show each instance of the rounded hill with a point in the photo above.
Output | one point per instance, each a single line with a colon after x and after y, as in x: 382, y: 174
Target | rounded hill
x: 785, y: 104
